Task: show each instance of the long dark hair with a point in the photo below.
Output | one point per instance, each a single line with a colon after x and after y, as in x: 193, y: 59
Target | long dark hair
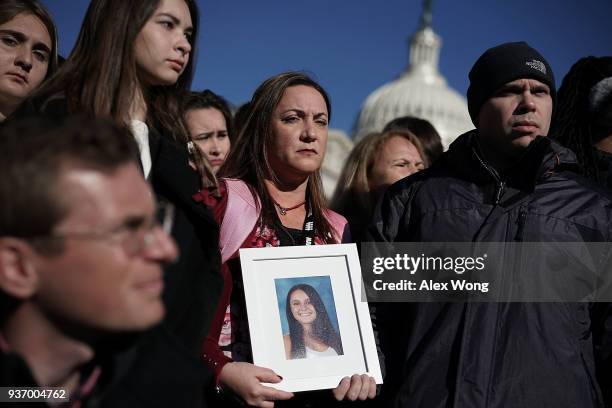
x: 322, y: 328
x: 573, y: 121
x: 248, y: 159
x: 11, y: 8
x: 99, y: 76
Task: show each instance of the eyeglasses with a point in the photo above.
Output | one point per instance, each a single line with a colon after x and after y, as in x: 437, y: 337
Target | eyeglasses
x: 134, y: 235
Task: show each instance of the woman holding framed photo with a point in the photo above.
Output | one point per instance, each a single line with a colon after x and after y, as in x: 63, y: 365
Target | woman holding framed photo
x: 271, y: 195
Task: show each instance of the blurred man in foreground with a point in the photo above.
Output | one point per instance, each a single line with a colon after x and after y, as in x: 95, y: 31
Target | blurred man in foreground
x: 81, y: 253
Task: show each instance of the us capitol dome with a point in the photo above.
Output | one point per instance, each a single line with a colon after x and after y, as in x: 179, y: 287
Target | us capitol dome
x: 420, y: 91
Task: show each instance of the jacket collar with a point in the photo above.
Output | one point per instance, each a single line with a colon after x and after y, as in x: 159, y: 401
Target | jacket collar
x: 542, y: 158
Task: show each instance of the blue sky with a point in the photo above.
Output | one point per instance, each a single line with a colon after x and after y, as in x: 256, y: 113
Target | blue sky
x: 353, y: 47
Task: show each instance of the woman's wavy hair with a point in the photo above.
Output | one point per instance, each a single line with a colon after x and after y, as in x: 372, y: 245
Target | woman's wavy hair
x: 353, y: 197
x: 248, y: 159
x: 322, y: 328
x: 576, y: 120
x: 99, y: 76
x: 12, y: 8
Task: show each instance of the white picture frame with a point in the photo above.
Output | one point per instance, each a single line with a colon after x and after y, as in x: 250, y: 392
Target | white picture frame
x: 334, y: 270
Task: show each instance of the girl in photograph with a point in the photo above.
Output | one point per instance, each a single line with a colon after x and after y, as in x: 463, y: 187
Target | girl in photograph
x: 311, y: 333
x: 271, y: 195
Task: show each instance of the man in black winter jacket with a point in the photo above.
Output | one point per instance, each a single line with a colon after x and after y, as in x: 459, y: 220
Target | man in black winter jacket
x: 502, y: 182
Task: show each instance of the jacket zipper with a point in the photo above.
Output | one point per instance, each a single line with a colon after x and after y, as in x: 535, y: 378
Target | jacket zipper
x: 500, y: 184
x: 500, y: 191
x: 521, y: 226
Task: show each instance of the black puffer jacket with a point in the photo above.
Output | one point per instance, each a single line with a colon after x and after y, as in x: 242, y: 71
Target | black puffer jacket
x: 495, y: 354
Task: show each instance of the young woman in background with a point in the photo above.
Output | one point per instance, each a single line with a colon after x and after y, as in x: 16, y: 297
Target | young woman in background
x: 209, y: 121
x: 28, y: 51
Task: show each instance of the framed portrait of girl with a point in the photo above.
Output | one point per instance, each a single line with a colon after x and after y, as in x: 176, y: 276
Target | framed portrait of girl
x: 307, y: 319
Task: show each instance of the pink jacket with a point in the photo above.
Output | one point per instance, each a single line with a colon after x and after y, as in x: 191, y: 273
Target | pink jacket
x: 242, y: 213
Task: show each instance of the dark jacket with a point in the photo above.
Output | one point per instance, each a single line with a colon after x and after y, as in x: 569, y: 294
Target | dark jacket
x: 158, y: 384
x: 193, y: 283
x: 495, y: 354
